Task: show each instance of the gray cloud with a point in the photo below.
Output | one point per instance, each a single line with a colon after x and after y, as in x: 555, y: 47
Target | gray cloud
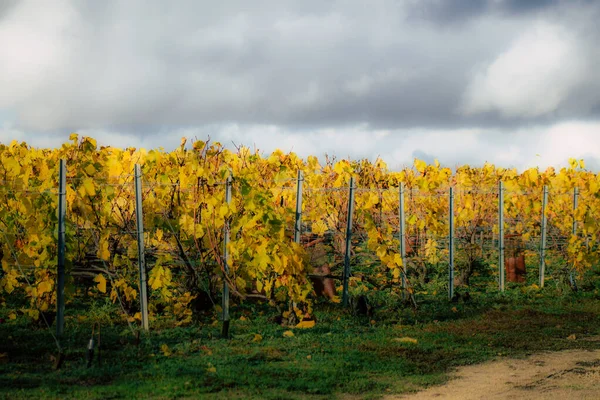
x: 460, y: 12
x: 143, y: 65
x: 397, y: 71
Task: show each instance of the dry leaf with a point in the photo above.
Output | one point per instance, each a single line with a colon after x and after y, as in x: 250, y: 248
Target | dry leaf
x: 406, y: 340
x: 165, y: 350
x: 306, y: 324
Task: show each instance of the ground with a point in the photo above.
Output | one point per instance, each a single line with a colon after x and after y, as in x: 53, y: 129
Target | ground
x: 571, y: 374
x: 515, y: 344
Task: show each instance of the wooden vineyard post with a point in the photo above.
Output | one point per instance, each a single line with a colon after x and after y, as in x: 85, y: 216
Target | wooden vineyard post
x: 348, y: 242
x: 60, y: 286
x: 298, y: 224
x: 451, y: 248
x: 574, y: 231
x: 501, y: 235
x: 402, y: 215
x: 139, y: 215
x: 225, y: 331
x: 543, y: 243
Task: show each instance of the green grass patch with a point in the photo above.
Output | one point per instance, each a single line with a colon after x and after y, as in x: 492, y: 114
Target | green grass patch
x: 341, y: 357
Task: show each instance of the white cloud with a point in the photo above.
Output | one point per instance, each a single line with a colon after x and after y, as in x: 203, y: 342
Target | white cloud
x: 570, y: 140
x: 32, y: 48
x: 536, y: 146
x: 532, y: 78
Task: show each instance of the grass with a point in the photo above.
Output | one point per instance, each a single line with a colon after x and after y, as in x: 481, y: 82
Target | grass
x: 343, y: 356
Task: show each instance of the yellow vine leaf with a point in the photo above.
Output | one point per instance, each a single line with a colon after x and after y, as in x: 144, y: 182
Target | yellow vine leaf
x: 88, y: 185
x: 339, y: 167
x: 103, y: 250
x: 420, y: 165
x: 223, y: 211
x: 160, y: 277
x: 573, y: 163
x: 240, y: 283
x: 319, y: 228
x: 288, y: 334
x: 44, y: 287
x: 90, y: 170
x: 91, y: 141
x: 115, y: 168
x: 101, y: 280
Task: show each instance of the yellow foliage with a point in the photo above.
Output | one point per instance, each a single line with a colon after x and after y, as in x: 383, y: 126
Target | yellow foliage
x: 184, y: 208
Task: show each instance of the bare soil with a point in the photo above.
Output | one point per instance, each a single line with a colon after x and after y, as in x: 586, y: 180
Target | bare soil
x: 572, y: 374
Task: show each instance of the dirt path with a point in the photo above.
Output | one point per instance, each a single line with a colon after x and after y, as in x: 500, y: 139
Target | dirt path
x: 572, y: 374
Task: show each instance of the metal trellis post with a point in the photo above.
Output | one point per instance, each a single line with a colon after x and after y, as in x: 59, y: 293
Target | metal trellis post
x: 141, y: 251
x: 451, y: 245
x: 298, y: 225
x: 575, y: 205
x: 403, y: 239
x: 543, y: 244
x: 501, y: 235
x: 225, y: 331
x: 348, y: 242
x: 62, y: 211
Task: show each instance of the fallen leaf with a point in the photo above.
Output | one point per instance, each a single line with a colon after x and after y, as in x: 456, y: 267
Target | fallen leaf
x: 211, y: 369
x: 306, y: 324
x: 406, y: 340
x: 165, y: 350
x: 572, y: 337
x: 288, y: 334
x: 257, y: 338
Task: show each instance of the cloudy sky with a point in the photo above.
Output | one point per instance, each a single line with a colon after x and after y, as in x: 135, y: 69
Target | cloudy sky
x: 512, y: 82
